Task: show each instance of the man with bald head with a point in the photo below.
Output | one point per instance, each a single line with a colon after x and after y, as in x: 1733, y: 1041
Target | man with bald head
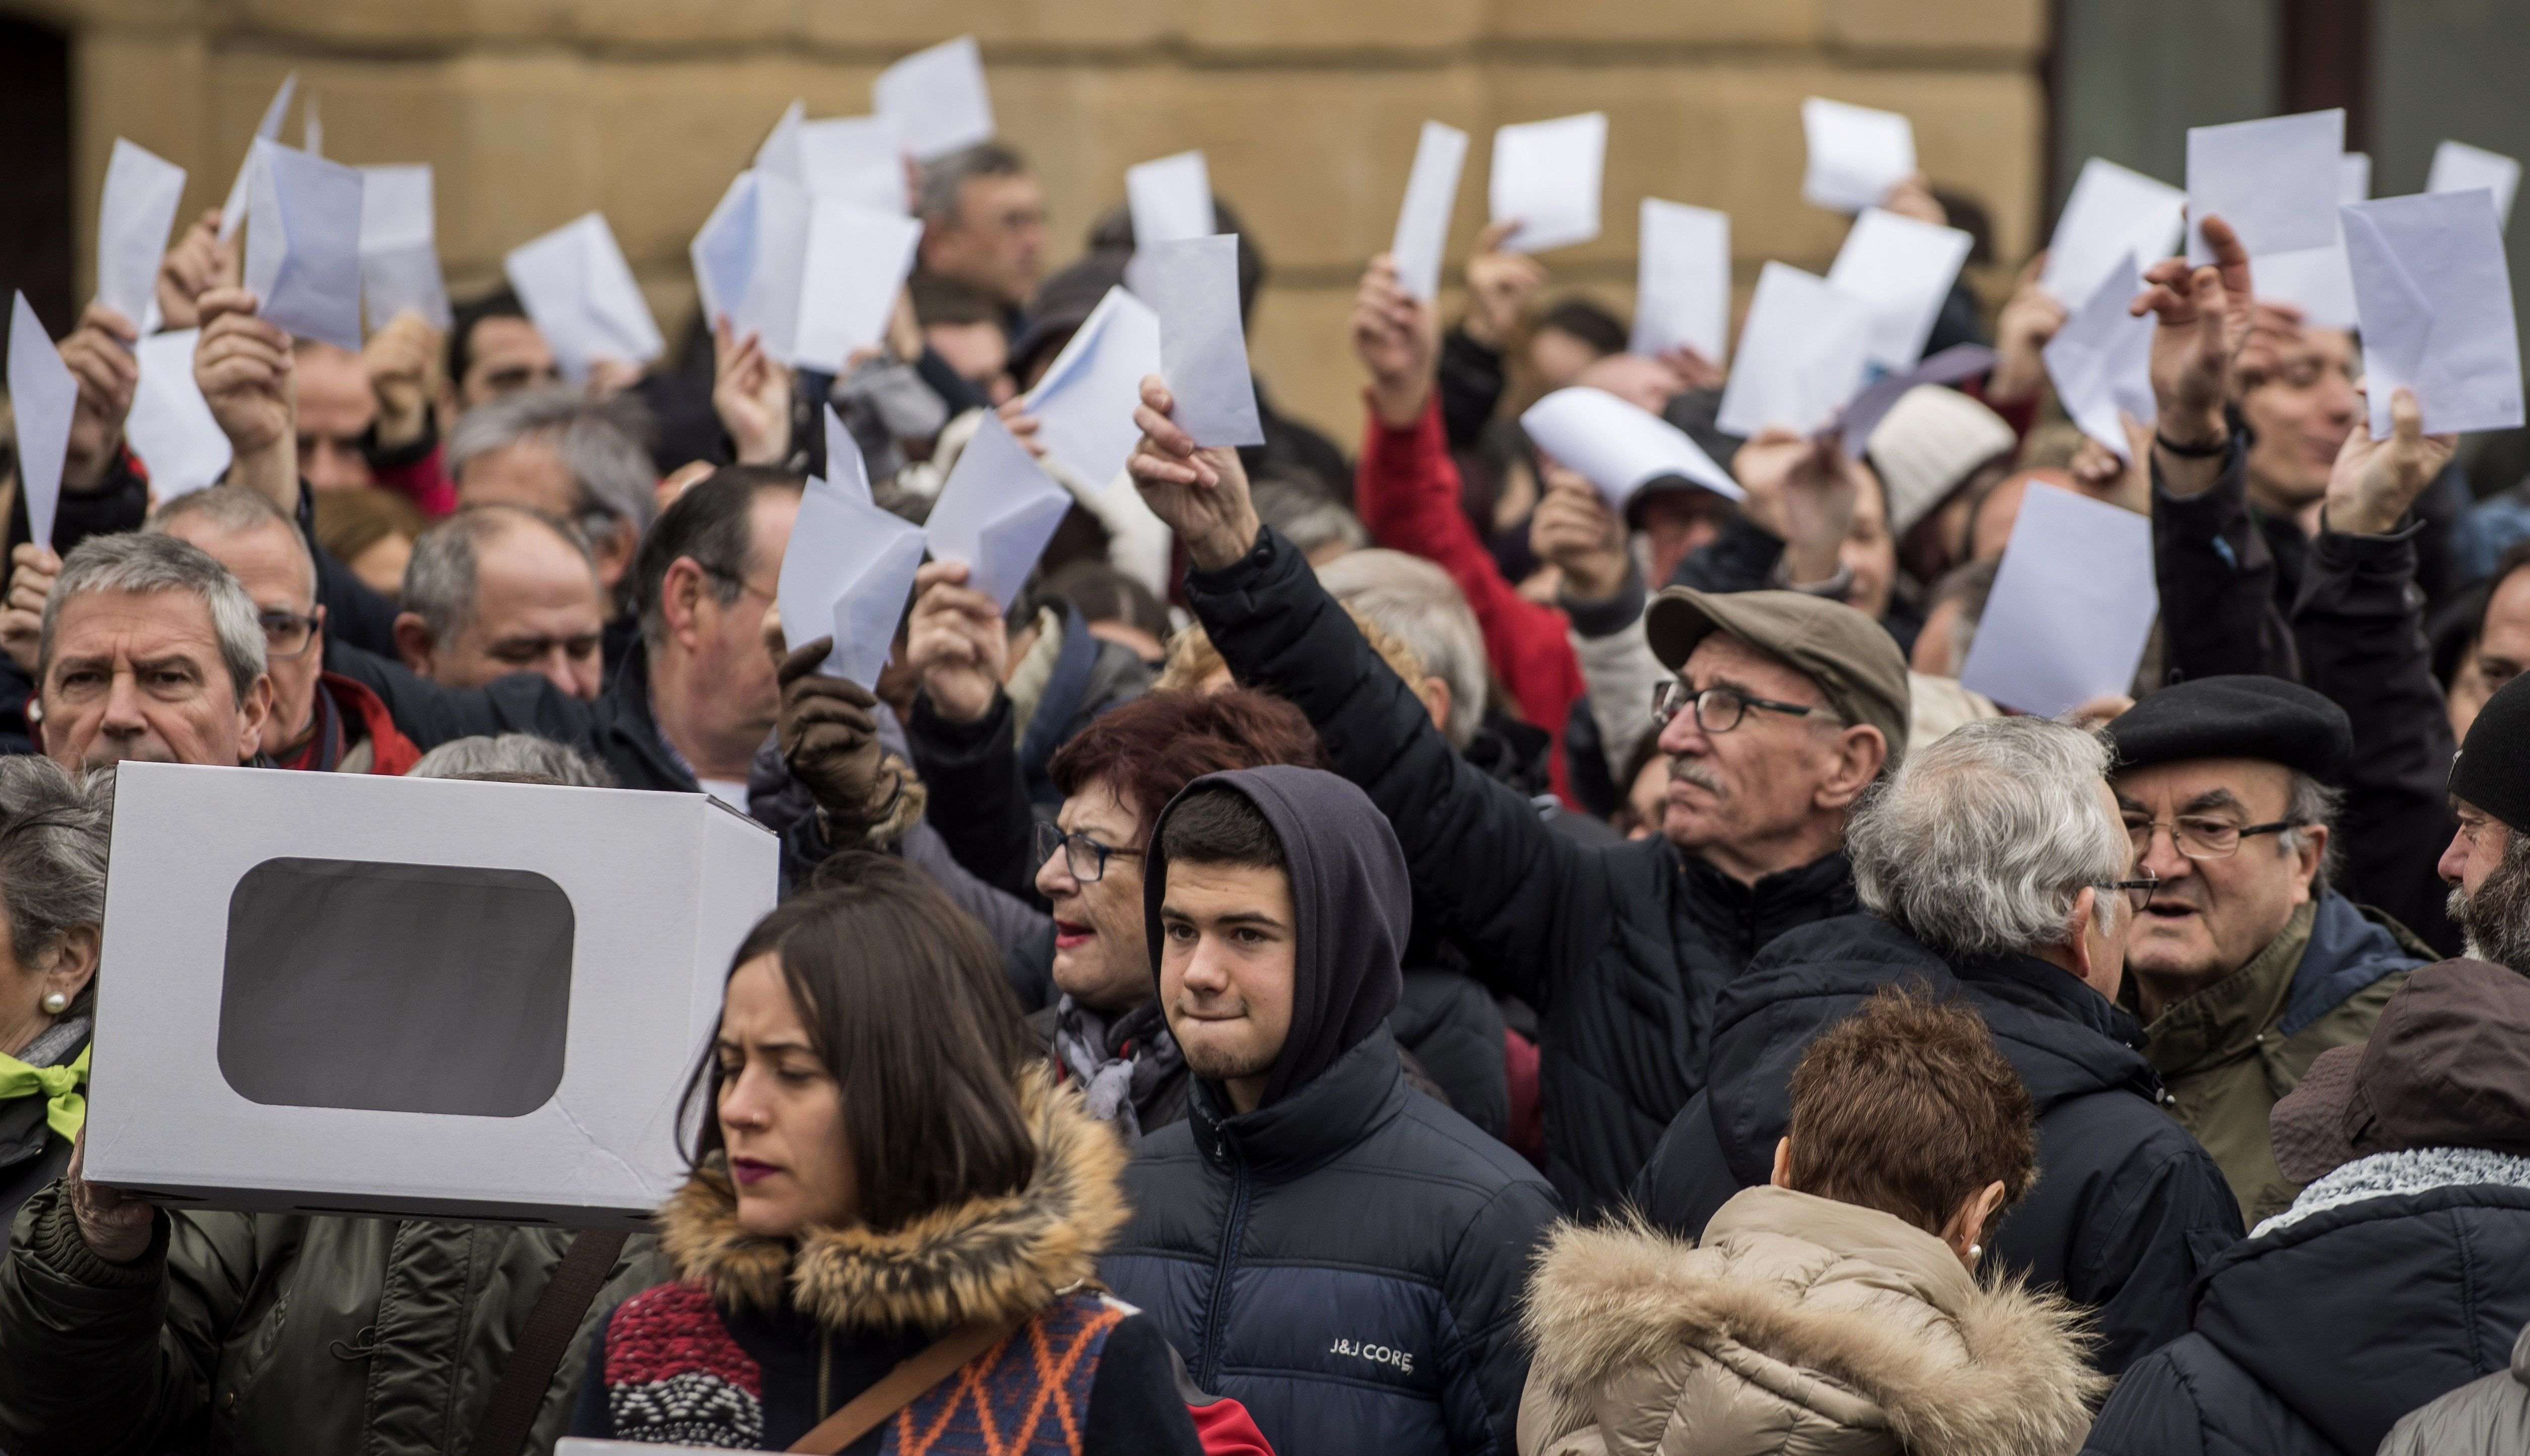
x: 499, y: 589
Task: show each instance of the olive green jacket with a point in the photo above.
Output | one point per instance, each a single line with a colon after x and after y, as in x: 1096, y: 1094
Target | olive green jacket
x: 282, y: 1334
x: 2229, y: 1053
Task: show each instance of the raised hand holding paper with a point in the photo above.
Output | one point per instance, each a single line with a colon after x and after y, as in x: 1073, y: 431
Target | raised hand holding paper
x: 41, y: 395
x: 1545, y: 174
x: 1423, y: 222
x: 398, y: 246
x: 1855, y: 154
x: 1170, y: 199
x: 2275, y: 180
x: 1618, y: 447
x: 580, y: 295
x: 2459, y: 167
x: 2072, y: 605
x: 1803, y: 353
x: 2099, y: 361
x: 1903, y: 269
x: 134, y: 218
x: 848, y: 570
x: 2436, y: 304
x: 936, y: 100
x: 170, y: 426
x: 1084, y: 403
x: 2112, y: 213
x: 233, y: 211
x: 996, y: 512
x: 1683, y: 281
x: 303, y: 244
x: 1194, y: 287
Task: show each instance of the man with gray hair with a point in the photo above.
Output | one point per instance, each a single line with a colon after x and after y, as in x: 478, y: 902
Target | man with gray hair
x: 983, y: 223
x: 498, y: 589
x: 1999, y: 871
x: 557, y: 452
x: 150, y: 651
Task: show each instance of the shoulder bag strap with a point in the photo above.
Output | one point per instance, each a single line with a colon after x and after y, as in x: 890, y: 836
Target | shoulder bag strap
x: 902, y: 1386
x: 502, y: 1429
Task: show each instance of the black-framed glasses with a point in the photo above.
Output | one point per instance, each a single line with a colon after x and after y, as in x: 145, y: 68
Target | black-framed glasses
x: 1084, y: 856
x: 1719, y: 710
x: 286, y: 634
x: 2138, y: 891
x: 2198, y: 838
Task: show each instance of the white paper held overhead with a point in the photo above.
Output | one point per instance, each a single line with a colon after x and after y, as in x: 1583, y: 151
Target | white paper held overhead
x: 1084, y: 403
x: 1803, y: 353
x: 580, y: 295
x: 855, y: 262
x: 1545, y: 174
x: 2099, y: 361
x: 303, y: 244
x: 42, y: 395
x: 170, y: 426
x: 1855, y: 154
x: 399, y: 246
x: 1424, y: 221
x: 1170, y: 199
x: 936, y: 100
x: 1903, y: 269
x: 2436, y: 304
x: 848, y: 570
x: 2354, y: 176
x: 1683, y: 281
x: 996, y: 512
x: 233, y: 211
x: 1618, y: 447
x: 132, y: 220
x: 853, y: 159
x: 2273, y: 180
x: 1194, y: 288
x: 2459, y: 167
x: 2071, y: 606
x: 2112, y: 212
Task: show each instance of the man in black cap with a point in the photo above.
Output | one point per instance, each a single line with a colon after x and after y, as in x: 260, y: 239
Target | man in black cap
x: 2488, y: 863
x: 2246, y: 964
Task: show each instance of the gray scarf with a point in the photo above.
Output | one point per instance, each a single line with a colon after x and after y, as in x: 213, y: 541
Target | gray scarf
x: 1117, y: 1087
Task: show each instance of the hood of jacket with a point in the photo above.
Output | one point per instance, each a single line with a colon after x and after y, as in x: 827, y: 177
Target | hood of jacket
x: 1349, y: 897
x: 2351, y: 947
x: 984, y: 1260
x: 1799, y: 1324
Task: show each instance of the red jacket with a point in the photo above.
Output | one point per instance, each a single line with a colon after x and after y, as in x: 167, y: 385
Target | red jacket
x: 1407, y: 493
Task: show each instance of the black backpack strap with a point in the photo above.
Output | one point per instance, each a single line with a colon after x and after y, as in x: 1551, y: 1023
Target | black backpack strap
x: 544, y: 1340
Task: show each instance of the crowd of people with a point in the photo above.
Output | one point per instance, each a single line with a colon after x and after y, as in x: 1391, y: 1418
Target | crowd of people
x: 1371, y: 951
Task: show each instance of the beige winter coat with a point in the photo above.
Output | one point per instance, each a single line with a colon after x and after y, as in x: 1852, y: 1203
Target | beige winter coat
x: 1800, y: 1328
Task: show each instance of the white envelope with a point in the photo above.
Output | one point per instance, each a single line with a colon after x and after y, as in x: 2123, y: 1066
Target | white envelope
x: 1904, y: 269
x: 42, y: 394
x: 846, y: 470
x: 848, y: 570
x: 1855, y: 154
x: 170, y: 426
x: 1804, y: 352
x: 2275, y: 180
x: 1170, y: 199
x: 2099, y: 361
x: 303, y: 244
x: 936, y: 100
x: 1546, y: 174
x: 1194, y: 287
x: 855, y: 262
x: 996, y: 512
x: 853, y: 159
x: 747, y: 260
x: 780, y: 151
x: 2315, y: 280
x: 2459, y: 167
x: 2354, y: 176
x: 2435, y: 303
x: 132, y: 220
x: 233, y: 211
x: 581, y: 295
x: 399, y: 246
x: 312, y: 130
x: 1683, y: 281
x: 1617, y: 446
x: 2112, y: 212
x: 1423, y: 222
x: 2072, y: 605
x: 1084, y: 403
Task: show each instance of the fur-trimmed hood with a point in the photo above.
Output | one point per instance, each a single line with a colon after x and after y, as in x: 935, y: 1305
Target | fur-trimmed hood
x: 1800, y: 1325
x: 986, y: 1260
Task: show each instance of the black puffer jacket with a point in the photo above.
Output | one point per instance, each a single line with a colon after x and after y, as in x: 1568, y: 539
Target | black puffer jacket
x: 2320, y: 1333
x: 2127, y: 1209
x: 1621, y: 950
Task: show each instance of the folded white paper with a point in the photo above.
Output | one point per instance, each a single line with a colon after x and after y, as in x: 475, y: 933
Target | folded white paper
x: 853, y: 159
x: 1423, y: 222
x: 1903, y: 269
x: 848, y: 570
x: 2099, y: 361
x: 1863, y: 412
x: 132, y: 220
x: 581, y: 295
x: 936, y: 100
x: 1803, y: 353
x: 303, y: 244
x: 1170, y: 199
x: 1617, y: 446
x: 2072, y: 604
x: 1855, y: 154
x: 170, y: 426
x: 399, y: 246
x: 2459, y: 167
x: 233, y: 211
x: 2315, y: 280
x: 2112, y: 212
x: 1084, y: 404
x: 42, y: 395
x: 855, y: 262
x: 1545, y: 174
x: 846, y: 470
x: 2275, y: 180
x: 1194, y: 287
x: 312, y: 130
x: 1683, y: 281
x: 2354, y: 176
x: 814, y: 278
x: 2436, y: 304
x: 996, y: 512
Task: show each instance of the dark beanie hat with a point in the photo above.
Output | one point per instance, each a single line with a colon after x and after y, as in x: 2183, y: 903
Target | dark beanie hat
x: 2492, y: 770
x: 2236, y: 716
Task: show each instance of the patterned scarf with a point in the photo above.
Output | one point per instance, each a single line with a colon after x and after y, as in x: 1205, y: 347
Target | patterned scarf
x: 1119, y: 1067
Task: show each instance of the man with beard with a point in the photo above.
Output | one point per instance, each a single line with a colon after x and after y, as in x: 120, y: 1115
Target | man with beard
x: 2488, y: 863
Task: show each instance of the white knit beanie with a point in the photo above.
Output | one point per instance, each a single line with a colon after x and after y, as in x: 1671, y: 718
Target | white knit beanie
x: 1928, y: 445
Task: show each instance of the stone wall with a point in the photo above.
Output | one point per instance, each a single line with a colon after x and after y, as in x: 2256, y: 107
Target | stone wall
x: 534, y: 111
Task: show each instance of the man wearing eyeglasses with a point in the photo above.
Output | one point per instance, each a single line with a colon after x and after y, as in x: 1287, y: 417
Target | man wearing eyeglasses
x: 2245, y: 965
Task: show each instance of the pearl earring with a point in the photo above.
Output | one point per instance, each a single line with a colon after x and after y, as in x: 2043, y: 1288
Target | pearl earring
x: 56, y: 1003
x: 1976, y: 1251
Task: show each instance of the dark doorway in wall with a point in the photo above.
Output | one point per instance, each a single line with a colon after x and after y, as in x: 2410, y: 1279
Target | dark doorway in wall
x: 36, y: 169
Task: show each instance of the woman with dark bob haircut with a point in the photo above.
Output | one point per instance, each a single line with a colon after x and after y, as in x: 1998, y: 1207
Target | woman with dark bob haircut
x: 887, y: 1240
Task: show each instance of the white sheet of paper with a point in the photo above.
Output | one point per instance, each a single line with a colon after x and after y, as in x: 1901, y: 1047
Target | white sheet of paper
x: 2315, y: 280
x: 1084, y: 404
x: 303, y: 244
x: 1194, y: 288
x: 1904, y: 269
x: 848, y: 570
x: 2113, y: 212
x: 399, y: 247
x: 2436, y: 304
x: 1546, y: 174
x: 2273, y: 180
x: 312, y: 130
x: 853, y: 159
x: 1170, y: 199
x: 2072, y: 604
x: 41, y: 395
x: 996, y: 512
x: 1683, y: 281
x: 2099, y: 361
x: 1424, y: 221
x: 2354, y: 176
x: 1855, y: 154
x: 580, y: 295
x: 1803, y: 353
x: 855, y: 262
x: 170, y: 427
x: 2459, y: 167
x: 1617, y: 446
x: 780, y: 152
x: 846, y: 470
x: 936, y: 100
x: 233, y: 211
x: 133, y: 220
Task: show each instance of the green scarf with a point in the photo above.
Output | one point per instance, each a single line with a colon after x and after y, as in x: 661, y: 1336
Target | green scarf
x: 65, y: 1109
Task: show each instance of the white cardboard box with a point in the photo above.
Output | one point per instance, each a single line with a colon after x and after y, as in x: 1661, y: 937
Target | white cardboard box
x: 326, y: 992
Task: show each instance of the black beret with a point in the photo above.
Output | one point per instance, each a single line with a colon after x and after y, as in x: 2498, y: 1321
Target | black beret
x: 2493, y: 768
x: 2236, y: 716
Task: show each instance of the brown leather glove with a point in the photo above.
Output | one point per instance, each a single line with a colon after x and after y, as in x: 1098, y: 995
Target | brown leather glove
x: 829, y: 735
